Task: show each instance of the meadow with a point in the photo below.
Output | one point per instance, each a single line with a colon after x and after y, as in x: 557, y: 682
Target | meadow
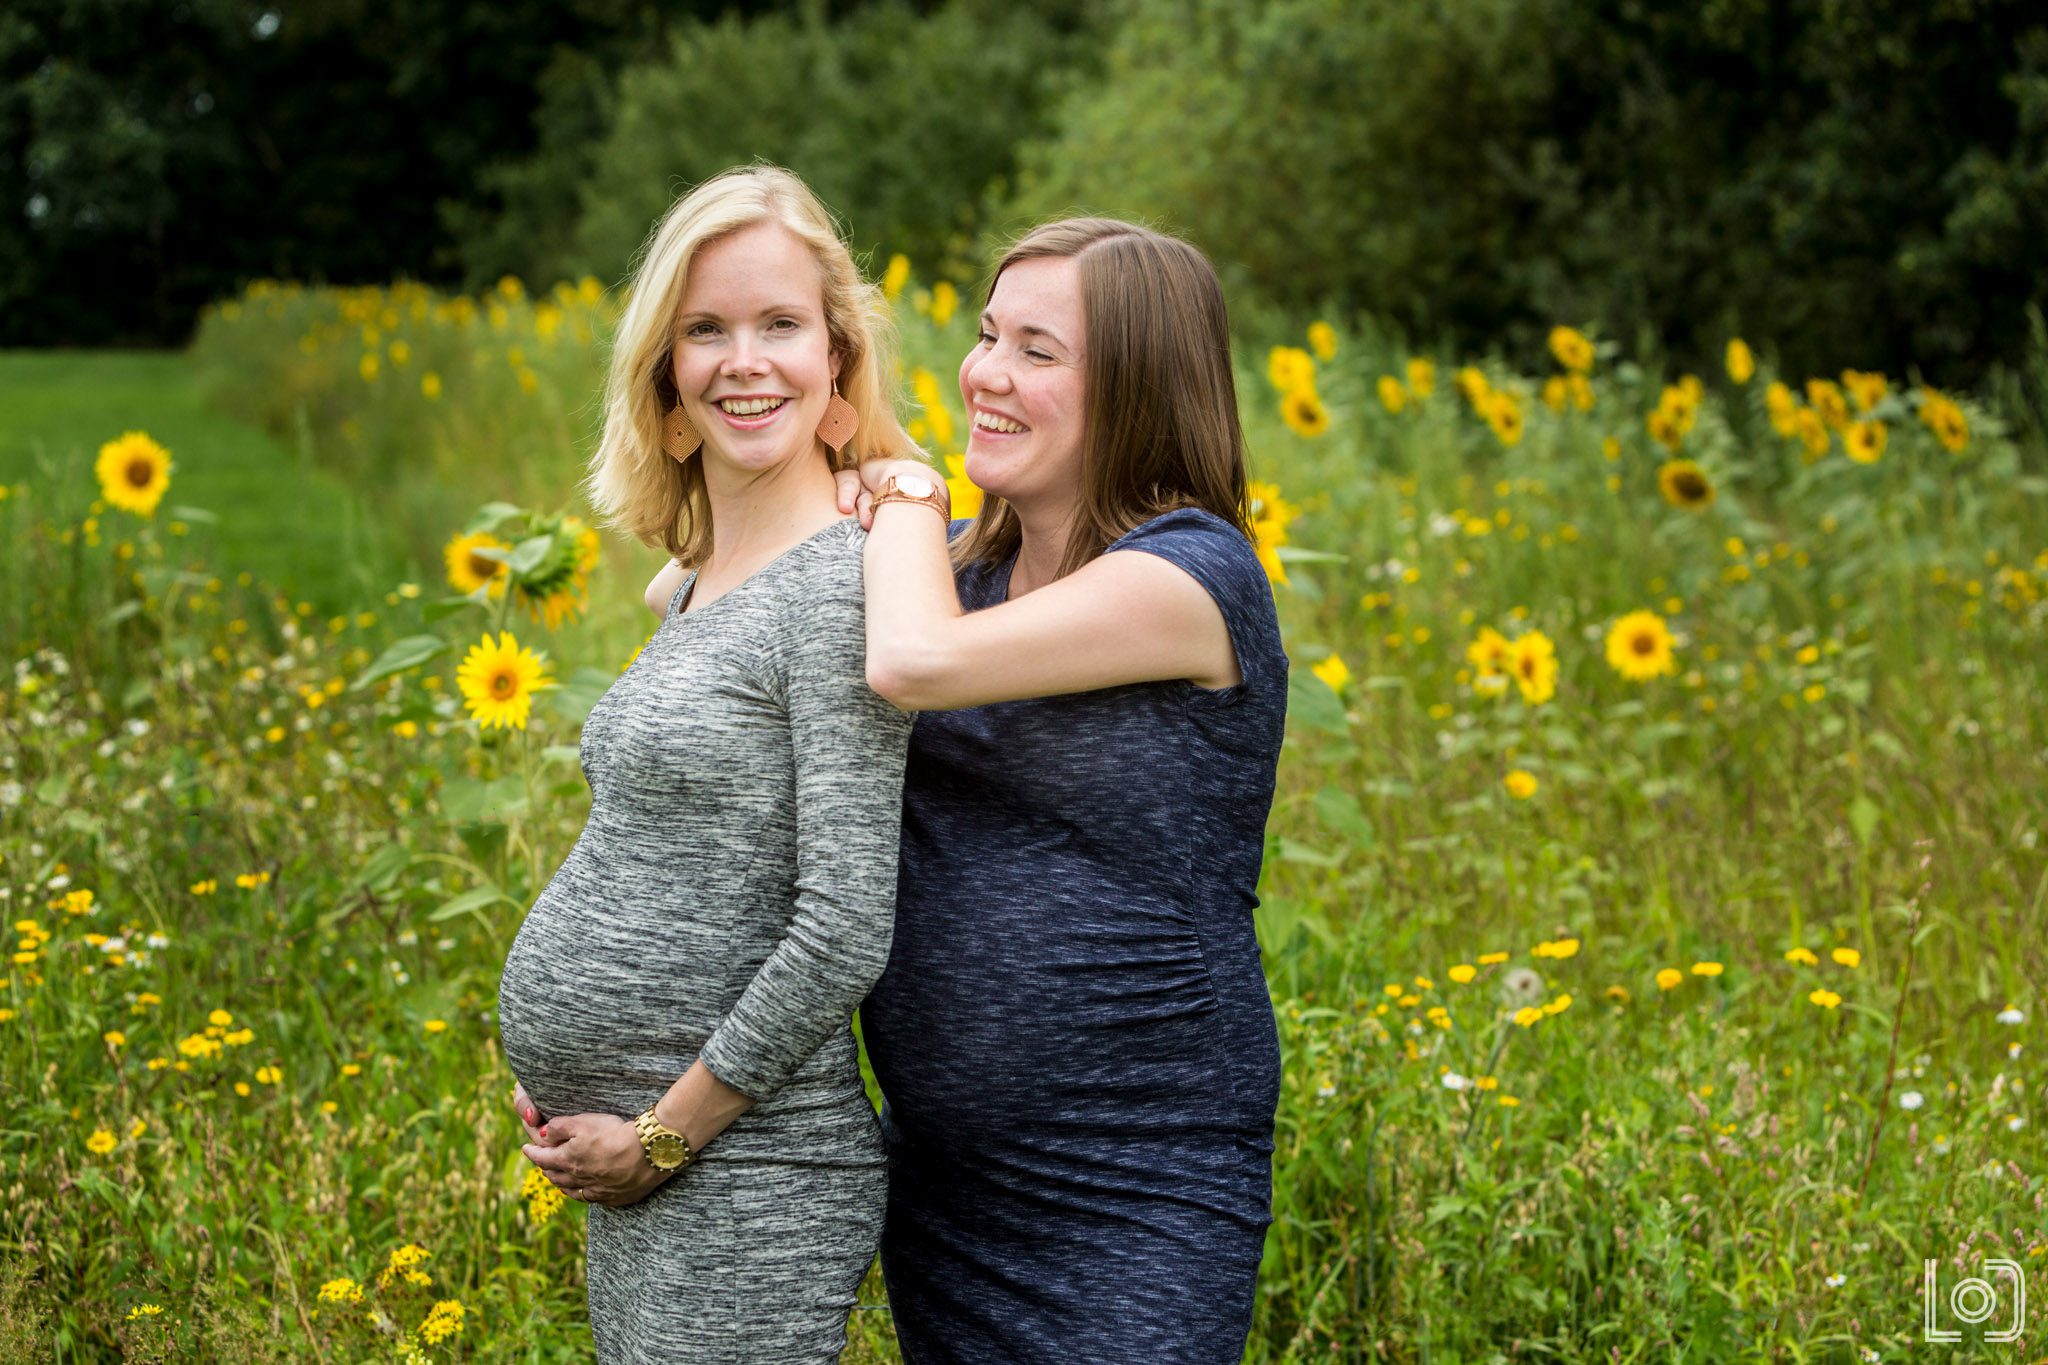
x: 1654, y: 905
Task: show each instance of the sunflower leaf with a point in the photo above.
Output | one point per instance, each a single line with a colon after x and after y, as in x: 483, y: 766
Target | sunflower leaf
x: 530, y: 553
x: 491, y: 516
x: 410, y: 652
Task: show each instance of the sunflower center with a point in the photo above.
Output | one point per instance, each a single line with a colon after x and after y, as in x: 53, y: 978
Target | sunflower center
x: 140, y: 473
x: 1643, y: 644
x: 503, y: 685
x: 1691, y: 486
x: 483, y: 568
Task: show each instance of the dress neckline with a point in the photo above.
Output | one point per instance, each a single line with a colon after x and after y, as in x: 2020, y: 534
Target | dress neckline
x: 689, y: 586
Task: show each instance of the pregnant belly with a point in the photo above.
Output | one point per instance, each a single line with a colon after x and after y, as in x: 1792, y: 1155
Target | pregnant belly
x: 598, y: 1012
x: 1097, y: 1017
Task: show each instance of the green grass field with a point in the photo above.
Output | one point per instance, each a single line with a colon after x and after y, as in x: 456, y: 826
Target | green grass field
x: 1655, y: 988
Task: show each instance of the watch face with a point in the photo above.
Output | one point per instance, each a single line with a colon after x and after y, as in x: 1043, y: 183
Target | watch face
x: 667, y: 1150
x: 914, y: 485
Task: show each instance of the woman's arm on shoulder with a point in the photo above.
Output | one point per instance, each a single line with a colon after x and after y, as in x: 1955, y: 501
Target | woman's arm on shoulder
x: 1128, y: 616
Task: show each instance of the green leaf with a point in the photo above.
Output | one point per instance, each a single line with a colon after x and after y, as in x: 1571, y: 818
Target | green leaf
x: 443, y: 607
x: 531, y: 551
x: 1340, y: 812
x: 1292, y: 852
x: 467, y: 800
x: 121, y: 613
x: 470, y: 902
x: 1311, y: 702
x: 1863, y: 814
x: 491, y: 516
x: 381, y: 868
x: 184, y: 513
x: 410, y: 652
x: 573, y: 696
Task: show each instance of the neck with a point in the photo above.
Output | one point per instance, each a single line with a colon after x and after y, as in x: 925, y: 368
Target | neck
x: 1043, y: 546
x: 765, y: 511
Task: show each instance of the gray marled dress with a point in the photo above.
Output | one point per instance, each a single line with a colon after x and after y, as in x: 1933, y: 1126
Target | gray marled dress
x: 731, y: 897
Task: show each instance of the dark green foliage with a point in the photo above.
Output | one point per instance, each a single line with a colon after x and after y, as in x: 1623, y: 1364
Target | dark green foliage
x: 900, y: 123
x: 153, y: 156
x: 1840, y: 178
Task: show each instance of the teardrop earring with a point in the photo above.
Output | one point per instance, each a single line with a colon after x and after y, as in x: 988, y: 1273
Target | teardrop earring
x: 837, y: 426
x: 678, y: 437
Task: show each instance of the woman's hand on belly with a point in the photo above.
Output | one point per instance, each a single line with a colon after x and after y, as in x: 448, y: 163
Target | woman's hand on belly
x: 596, y: 1158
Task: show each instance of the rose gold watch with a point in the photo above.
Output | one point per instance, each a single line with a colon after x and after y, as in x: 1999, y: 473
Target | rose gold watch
x: 928, y: 489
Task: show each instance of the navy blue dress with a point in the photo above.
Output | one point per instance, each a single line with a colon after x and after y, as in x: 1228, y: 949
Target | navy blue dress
x: 1073, y: 1036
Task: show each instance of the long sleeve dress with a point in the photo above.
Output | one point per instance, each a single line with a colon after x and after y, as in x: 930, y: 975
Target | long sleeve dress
x: 1074, y: 1038
x: 731, y: 897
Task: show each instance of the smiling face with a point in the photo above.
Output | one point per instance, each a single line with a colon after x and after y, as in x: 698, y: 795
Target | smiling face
x: 753, y: 359
x: 1025, y: 385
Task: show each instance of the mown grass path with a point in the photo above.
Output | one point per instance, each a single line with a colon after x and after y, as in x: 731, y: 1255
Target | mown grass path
x: 280, y: 517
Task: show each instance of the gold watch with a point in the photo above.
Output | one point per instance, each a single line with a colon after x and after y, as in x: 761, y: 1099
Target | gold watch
x: 667, y: 1150
x: 922, y: 488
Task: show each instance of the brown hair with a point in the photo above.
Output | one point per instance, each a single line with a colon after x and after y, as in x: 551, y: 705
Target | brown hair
x: 1161, y: 429
x: 631, y: 482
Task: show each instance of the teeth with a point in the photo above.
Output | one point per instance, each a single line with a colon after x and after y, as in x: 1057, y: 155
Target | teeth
x: 988, y: 421
x: 750, y: 407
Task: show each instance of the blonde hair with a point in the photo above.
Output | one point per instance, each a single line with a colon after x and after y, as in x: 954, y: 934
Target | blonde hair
x: 632, y: 483
x: 1160, y: 428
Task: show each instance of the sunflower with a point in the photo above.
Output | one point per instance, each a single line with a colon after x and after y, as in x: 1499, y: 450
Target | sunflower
x: 1664, y: 428
x: 1333, y: 672
x: 1556, y: 393
x: 1471, y: 382
x: 1521, y: 784
x: 1290, y: 368
x: 1827, y: 400
x: 1782, y: 407
x: 1813, y: 432
x: 1864, y: 441
x: 1422, y: 376
x: 1945, y: 420
x: 1572, y: 349
x: 1270, y: 514
x: 1639, y: 646
x: 1304, y: 413
x: 1685, y: 484
x: 1503, y: 413
x: 965, y: 495
x: 498, y: 679
x: 1866, y: 387
x: 1392, y: 396
x: 1532, y: 663
x: 133, y: 472
x: 1581, y: 392
x: 1489, y: 654
x: 1741, y: 364
x: 1322, y: 339
x: 468, y: 570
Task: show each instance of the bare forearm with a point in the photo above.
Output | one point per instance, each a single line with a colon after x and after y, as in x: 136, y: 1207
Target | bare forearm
x: 700, y: 1106
x: 911, y: 601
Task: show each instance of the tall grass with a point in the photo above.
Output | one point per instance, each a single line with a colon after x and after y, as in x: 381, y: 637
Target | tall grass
x: 1553, y: 1086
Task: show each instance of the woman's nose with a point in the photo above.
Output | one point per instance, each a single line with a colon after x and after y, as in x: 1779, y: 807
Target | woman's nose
x: 743, y: 358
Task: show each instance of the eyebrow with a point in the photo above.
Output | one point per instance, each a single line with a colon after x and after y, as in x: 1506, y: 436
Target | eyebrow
x: 1029, y: 329
x: 773, y: 309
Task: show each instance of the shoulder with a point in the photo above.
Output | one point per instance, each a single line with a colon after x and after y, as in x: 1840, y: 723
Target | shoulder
x: 1203, y: 544
x: 829, y: 563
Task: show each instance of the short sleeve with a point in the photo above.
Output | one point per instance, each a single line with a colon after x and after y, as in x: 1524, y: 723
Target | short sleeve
x: 848, y: 746
x: 1219, y: 557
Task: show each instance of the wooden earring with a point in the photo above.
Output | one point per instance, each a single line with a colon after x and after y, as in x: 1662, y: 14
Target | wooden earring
x: 838, y: 424
x: 678, y: 437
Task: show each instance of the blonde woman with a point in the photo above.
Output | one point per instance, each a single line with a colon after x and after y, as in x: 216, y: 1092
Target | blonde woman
x: 676, y: 1004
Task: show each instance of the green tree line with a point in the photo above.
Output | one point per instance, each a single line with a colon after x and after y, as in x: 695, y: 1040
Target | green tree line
x: 1863, y: 178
